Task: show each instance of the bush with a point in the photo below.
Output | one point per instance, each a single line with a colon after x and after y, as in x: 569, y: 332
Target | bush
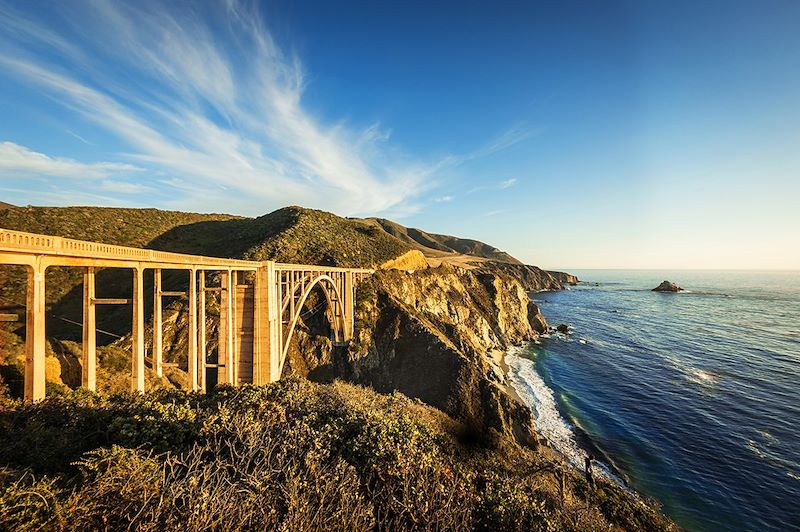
x: 291, y: 456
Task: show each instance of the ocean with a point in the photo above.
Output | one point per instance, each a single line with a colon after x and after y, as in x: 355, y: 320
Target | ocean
x: 692, y: 398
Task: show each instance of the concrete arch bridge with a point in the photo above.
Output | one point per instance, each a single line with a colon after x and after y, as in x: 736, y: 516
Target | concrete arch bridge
x: 260, y: 306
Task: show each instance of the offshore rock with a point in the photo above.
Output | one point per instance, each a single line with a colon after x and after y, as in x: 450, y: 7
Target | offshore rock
x: 667, y: 286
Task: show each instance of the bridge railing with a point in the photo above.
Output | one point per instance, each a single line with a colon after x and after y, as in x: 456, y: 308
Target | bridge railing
x: 282, y: 266
x: 54, y: 245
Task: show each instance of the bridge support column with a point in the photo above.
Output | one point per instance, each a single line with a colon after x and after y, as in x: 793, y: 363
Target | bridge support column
x: 192, y: 293
x: 158, y: 338
x: 201, y: 348
x: 225, y: 351
x: 35, y: 340
x: 265, y: 326
x: 137, y: 377
x: 348, y: 305
x: 89, y: 362
x: 274, y: 317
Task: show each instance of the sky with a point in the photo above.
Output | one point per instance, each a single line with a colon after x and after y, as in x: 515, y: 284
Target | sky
x: 611, y: 134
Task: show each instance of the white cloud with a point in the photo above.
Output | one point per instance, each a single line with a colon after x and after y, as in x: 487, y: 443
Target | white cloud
x: 19, y: 161
x: 502, y: 185
x: 211, y: 114
x: 123, y: 187
x: 444, y: 199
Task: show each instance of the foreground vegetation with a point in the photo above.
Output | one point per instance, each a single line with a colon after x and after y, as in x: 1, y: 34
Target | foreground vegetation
x: 291, y: 456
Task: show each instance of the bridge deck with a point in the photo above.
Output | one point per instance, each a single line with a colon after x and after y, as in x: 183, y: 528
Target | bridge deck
x: 256, y: 324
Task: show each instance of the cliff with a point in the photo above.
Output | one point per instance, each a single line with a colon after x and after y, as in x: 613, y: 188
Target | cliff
x: 435, y: 335
x: 565, y: 278
x: 430, y: 334
x: 532, y: 278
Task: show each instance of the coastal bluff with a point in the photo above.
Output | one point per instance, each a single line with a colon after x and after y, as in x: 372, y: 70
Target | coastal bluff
x: 413, y: 421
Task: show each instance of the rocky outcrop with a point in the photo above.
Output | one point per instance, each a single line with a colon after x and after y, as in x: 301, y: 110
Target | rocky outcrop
x: 565, y: 278
x: 410, y: 260
x: 532, y: 278
x: 667, y: 286
x: 431, y: 335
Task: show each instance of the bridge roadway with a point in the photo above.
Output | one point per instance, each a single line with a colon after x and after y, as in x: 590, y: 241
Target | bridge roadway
x: 260, y: 305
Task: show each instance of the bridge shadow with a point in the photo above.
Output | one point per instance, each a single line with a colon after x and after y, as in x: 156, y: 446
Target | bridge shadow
x: 213, y: 238
x: 223, y: 238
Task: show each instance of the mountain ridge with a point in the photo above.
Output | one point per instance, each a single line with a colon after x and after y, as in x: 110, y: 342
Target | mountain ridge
x: 289, y: 234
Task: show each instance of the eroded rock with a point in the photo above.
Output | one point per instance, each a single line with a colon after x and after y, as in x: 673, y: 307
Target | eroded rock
x: 667, y: 286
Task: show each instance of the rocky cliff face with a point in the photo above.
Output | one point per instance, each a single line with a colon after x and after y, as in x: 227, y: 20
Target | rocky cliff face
x: 565, y: 278
x: 434, y: 335
x: 532, y: 278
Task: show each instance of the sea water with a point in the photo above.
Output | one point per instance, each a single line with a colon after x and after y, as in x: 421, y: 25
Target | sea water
x: 690, y: 398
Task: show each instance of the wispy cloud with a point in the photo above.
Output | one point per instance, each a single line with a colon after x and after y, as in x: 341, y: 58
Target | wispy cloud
x: 79, y: 137
x: 505, y: 140
x: 123, y: 187
x: 444, y: 199
x: 501, y: 185
x: 204, y: 113
x: 204, y: 99
x: 18, y: 161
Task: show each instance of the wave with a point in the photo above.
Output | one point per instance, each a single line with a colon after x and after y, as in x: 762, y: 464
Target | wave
x: 766, y: 452
x: 701, y: 376
x: 560, y: 433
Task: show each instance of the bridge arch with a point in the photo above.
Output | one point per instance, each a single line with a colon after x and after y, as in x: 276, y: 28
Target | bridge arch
x: 335, y: 302
x: 256, y: 330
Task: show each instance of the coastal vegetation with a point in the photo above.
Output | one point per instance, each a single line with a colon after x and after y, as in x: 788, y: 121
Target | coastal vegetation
x: 292, y: 455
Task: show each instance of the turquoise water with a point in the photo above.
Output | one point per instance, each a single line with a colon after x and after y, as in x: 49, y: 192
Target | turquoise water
x: 691, y: 398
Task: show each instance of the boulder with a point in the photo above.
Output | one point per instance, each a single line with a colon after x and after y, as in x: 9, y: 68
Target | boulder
x: 563, y: 328
x: 667, y: 286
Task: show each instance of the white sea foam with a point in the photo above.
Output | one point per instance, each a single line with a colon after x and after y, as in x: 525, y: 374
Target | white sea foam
x: 699, y: 376
x: 530, y: 386
x: 549, y: 422
x: 702, y: 377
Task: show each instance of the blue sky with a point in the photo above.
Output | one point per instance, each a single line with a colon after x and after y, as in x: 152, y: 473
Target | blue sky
x: 571, y: 134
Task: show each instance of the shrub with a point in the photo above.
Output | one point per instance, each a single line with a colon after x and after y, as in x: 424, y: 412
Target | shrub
x: 292, y: 455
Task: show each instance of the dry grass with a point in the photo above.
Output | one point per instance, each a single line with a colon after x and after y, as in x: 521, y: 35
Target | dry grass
x: 289, y: 456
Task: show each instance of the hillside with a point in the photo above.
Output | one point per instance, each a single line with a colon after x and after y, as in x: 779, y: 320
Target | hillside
x: 443, y: 247
x: 291, y: 234
x: 122, y: 227
x: 292, y: 455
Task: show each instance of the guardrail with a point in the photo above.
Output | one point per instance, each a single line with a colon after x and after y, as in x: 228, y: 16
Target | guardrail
x: 54, y: 245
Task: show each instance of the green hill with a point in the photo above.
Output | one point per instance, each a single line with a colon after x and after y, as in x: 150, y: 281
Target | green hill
x: 122, y: 227
x: 434, y: 245
x: 291, y: 234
